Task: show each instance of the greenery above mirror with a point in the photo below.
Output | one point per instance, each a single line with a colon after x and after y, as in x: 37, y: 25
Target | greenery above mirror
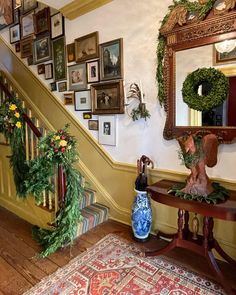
x: 219, y: 87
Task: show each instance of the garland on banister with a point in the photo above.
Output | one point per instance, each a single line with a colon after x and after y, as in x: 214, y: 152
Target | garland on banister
x: 13, y: 128
x: 57, y: 148
x: 195, y: 8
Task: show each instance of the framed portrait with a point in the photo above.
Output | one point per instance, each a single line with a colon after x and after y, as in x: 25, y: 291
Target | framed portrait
x: 48, y: 71
x: 77, y: 77
x: 17, y: 47
x: 41, y: 69
x: 62, y: 86
x: 27, y: 25
x: 6, y: 13
x: 93, y: 125
x: 86, y: 47
x: 17, y: 4
x: 107, y: 130
x: 111, y: 60
x: 42, y: 21
x: 87, y: 115
x: 42, y: 49
x: 14, y: 33
x: 59, y: 58
x: 225, y: 57
x: 92, y: 71
x: 57, y: 25
x: 82, y: 100
x: 70, y: 49
x: 53, y: 86
x: 26, y: 47
x: 28, y: 5
x: 107, y: 98
x: 69, y: 98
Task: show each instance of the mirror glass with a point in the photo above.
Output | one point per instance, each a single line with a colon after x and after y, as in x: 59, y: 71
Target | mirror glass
x: 190, y: 60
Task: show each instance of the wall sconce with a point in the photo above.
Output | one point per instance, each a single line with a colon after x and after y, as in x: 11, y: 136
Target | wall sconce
x: 135, y: 93
x: 225, y: 46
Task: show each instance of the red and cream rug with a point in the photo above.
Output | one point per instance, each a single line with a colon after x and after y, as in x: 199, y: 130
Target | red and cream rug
x: 113, y: 266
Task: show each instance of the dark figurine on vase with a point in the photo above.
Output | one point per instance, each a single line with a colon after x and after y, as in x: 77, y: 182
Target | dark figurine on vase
x: 141, y: 210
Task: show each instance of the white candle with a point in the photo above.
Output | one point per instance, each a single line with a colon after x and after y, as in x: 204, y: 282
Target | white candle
x: 141, y: 91
x: 125, y: 97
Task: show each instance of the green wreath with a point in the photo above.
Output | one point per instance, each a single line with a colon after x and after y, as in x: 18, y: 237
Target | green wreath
x: 219, y: 86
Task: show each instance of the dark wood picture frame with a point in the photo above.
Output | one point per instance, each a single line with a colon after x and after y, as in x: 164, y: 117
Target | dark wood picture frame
x: 86, y: 47
x: 59, y: 58
x: 53, y: 86
x: 223, y: 58
x: 108, y: 98
x: 41, y: 69
x: 93, y: 125
x: 57, y: 25
x: 26, y: 47
x: 29, y: 5
x: 42, y: 21
x: 69, y: 98
x: 70, y: 52
x: 62, y: 86
x: 7, y: 17
x: 42, y: 49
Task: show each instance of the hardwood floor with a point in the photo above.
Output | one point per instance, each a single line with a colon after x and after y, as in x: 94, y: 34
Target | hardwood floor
x: 20, y: 269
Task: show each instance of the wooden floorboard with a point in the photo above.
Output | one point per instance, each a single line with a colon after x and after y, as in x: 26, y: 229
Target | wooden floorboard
x: 20, y: 268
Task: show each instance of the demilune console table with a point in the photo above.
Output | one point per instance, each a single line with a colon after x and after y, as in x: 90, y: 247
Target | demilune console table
x: 183, y: 238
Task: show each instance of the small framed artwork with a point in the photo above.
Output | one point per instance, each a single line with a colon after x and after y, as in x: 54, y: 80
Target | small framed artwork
x: 111, y: 60
x: 14, y: 33
x: 87, y: 115
x: 57, y: 25
x: 53, y: 86
x: 6, y: 14
x: 27, y: 25
x: 17, y: 47
x: 30, y: 60
x: 93, y: 125
x: 42, y: 49
x: 82, y: 100
x: 42, y: 21
x: 59, y: 58
x: 86, y: 47
x: 17, y: 4
x: 69, y: 98
x: 70, y: 49
x: 225, y: 57
x: 92, y: 71
x: 62, y: 86
x: 28, y: 5
x: 26, y: 47
x: 77, y: 77
x: 41, y: 69
x: 107, y: 130
x: 48, y: 71
x: 16, y: 16
x: 108, y: 98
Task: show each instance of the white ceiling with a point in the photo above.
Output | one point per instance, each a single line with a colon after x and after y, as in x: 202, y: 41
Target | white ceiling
x: 56, y: 3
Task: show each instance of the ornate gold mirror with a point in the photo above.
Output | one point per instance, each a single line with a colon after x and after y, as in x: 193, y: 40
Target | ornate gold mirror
x: 187, y: 42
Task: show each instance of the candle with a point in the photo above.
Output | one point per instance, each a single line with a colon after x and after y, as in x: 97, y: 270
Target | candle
x: 125, y: 97
x: 141, y: 91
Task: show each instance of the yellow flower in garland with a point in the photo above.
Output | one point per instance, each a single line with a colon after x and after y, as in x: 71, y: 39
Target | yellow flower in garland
x: 17, y: 115
x: 12, y: 107
x: 57, y: 137
x: 63, y: 143
x: 18, y: 124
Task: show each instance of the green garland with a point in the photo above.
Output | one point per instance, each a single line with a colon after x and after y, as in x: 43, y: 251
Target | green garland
x: 12, y: 126
x: 140, y: 112
x: 218, y: 82
x: 57, y: 148
x: 192, y: 7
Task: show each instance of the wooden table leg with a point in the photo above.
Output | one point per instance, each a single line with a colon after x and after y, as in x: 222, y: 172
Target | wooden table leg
x: 186, y: 224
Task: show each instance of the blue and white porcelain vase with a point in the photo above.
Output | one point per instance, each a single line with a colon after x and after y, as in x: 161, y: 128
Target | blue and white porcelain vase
x: 141, y: 216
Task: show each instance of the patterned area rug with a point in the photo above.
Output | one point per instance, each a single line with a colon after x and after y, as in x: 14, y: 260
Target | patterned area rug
x: 113, y: 266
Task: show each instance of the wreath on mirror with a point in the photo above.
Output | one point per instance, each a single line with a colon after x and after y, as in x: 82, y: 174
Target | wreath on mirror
x: 218, y: 85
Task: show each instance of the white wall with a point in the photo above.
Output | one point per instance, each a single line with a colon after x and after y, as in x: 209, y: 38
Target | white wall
x: 137, y: 22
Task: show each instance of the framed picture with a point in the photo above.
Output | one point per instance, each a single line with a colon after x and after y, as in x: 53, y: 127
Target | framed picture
x: 69, y: 98
x: 17, y: 4
x: 42, y: 49
x: 48, y: 71
x: 111, y: 60
x: 17, y: 47
x: 59, y: 58
x: 86, y: 47
x: 14, y: 33
x: 77, y: 77
x: 108, y: 98
x: 92, y: 71
x: 26, y: 47
x: 93, y: 125
x: 53, y: 86
x: 87, y: 115
x: 16, y: 16
x: 57, y: 25
x: 107, y: 130
x: 82, y: 100
x: 28, y: 5
x: 225, y: 57
x: 30, y: 60
x: 70, y: 49
x: 62, y: 86
x: 27, y: 25
x: 6, y: 14
x: 42, y: 21
x: 41, y: 69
